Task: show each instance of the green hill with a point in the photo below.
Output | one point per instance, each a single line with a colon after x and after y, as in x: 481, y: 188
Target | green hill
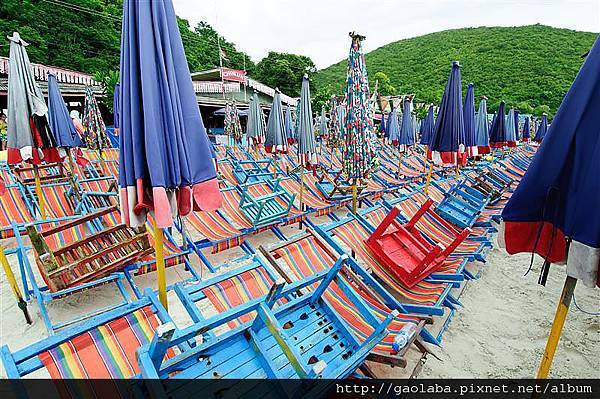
x: 527, y: 66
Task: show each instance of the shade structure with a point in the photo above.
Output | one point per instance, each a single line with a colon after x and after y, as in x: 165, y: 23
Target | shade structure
x: 525, y: 136
x: 498, y: 129
x: 117, y: 105
x: 307, y: 147
x: 255, y: 128
x: 61, y: 124
x: 427, y: 126
x: 276, y: 141
x: 335, y: 139
x: 393, y: 127
x: 469, y: 121
x: 407, y: 134
x: 288, y: 121
x: 542, y: 129
x: 232, y: 126
x: 165, y: 162
x: 359, y: 156
x: 94, y: 129
x: 28, y: 133
x: 482, y: 138
x: 557, y: 199
x: 447, y: 143
x: 323, y: 129
x: 511, y: 134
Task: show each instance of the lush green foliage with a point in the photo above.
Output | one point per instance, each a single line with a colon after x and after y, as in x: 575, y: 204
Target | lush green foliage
x: 530, y: 67
x: 284, y: 71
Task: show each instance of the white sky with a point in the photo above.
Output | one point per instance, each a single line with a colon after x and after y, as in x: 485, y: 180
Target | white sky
x: 319, y: 28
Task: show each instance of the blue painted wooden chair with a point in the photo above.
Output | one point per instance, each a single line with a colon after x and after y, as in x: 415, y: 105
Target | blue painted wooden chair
x: 461, y: 205
x: 251, y: 171
x: 264, y: 209
x: 336, y: 188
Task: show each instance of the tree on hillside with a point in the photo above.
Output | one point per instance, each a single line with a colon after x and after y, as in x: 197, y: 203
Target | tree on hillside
x: 285, y: 71
x: 385, y: 86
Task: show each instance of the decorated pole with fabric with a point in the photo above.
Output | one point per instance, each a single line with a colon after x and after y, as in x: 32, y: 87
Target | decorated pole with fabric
x: 447, y: 146
x: 542, y: 129
x: 554, y: 210
x: 255, y: 129
x: 61, y: 124
x: 511, y: 134
x: 276, y: 141
x: 469, y: 121
x: 407, y: 136
x: 29, y: 138
x: 307, y: 148
x: 232, y: 125
x: 165, y: 162
x: 526, y: 133
x: 482, y: 138
x: 94, y: 130
x: 498, y: 129
x: 359, y: 157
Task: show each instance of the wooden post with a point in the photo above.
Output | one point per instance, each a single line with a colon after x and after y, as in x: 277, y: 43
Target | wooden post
x: 429, y: 177
x: 354, y: 196
x: 38, y: 190
x: 275, y: 165
x: 160, y: 265
x: 301, y: 191
x: 557, y: 326
x: 12, y: 281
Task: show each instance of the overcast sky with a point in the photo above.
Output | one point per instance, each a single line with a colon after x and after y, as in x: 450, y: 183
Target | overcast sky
x: 319, y: 28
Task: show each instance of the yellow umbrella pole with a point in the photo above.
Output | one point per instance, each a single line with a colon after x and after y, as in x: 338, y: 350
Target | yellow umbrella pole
x: 275, y: 165
x: 301, y: 191
x: 12, y: 281
x: 38, y: 190
x: 557, y: 326
x: 429, y: 177
x: 354, y: 196
x: 160, y: 266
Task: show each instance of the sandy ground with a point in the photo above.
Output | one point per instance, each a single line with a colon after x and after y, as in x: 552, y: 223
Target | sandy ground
x: 500, y: 332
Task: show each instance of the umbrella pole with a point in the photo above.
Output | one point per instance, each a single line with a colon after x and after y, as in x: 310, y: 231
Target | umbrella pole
x: 428, y: 177
x: 557, y: 326
x: 354, y: 196
x: 38, y: 190
x: 275, y: 165
x: 160, y: 265
x: 12, y: 281
x: 301, y: 192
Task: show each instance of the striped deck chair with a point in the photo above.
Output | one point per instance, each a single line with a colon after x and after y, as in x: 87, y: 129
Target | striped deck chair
x: 216, y: 231
x: 308, y: 254
x: 429, y: 296
x: 13, y: 210
x: 225, y: 172
x: 309, y: 199
x: 285, y: 213
x: 104, y: 347
x: 231, y: 209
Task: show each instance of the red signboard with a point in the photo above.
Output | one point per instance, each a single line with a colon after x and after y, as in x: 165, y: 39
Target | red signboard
x: 234, y: 75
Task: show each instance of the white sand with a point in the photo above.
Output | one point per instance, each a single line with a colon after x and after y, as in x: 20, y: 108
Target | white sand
x: 501, y: 331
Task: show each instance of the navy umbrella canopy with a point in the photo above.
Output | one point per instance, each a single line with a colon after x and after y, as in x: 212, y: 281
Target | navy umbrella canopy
x: 498, y: 129
x: 482, y: 138
x: 165, y: 156
x: 307, y: 147
x: 447, y: 143
x: 526, y: 134
x: 407, y: 135
x: 276, y: 139
x: 427, y: 127
x: 60, y: 122
x: 542, y: 129
x: 557, y: 199
x: 511, y: 134
x: 393, y: 127
x: 517, y: 131
x: 469, y: 120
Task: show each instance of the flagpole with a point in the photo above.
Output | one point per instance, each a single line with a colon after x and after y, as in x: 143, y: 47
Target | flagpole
x: 221, y: 66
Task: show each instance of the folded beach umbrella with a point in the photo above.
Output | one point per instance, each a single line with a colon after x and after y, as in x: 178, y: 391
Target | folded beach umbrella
x: 393, y: 127
x: 61, y: 124
x: 526, y: 134
x: 469, y: 121
x: 276, y: 140
x: 482, y: 138
x: 542, y: 129
x: 289, y: 123
x: 307, y: 147
x: 407, y: 134
x: 323, y: 130
x: 517, y: 130
x: 28, y: 133
x: 255, y: 129
x: 117, y: 106
x: 498, y: 129
x: 511, y: 134
x: 447, y: 145
x: 427, y: 126
x: 165, y: 162
x: 554, y: 210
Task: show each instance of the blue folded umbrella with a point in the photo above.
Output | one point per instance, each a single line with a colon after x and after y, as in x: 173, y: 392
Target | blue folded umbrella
x: 469, y: 120
x: 60, y: 122
x: 542, y: 129
x: 498, y: 129
x: 427, y: 127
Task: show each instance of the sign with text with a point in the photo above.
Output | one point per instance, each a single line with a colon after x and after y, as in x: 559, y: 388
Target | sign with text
x: 234, y: 75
